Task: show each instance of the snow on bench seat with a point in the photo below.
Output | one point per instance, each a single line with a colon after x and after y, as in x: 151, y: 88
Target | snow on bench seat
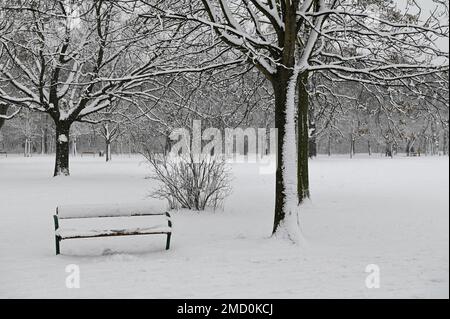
x: 74, y: 233
x: 106, y: 210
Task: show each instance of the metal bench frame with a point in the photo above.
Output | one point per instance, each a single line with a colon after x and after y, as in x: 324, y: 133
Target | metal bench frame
x: 58, y: 238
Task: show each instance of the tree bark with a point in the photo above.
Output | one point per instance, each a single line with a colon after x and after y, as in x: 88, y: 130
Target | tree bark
x: 62, y: 149
x: 389, y: 150
x: 167, y: 143
x: 352, y: 145
x: 408, y: 147
x: 42, y: 143
x: 26, y: 148
x: 280, y: 89
x: 329, y: 145
x: 445, y: 143
x: 303, y: 140
x: 3, y: 110
x: 108, y: 150
x: 45, y: 142
x: 280, y: 82
x: 312, y: 147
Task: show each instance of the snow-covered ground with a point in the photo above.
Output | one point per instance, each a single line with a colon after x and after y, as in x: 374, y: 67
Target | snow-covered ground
x: 390, y: 212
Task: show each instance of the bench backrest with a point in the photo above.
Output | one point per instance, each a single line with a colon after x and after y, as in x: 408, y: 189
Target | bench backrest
x: 106, y: 210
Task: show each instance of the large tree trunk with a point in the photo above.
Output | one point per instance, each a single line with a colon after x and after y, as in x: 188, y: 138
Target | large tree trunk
x: 286, y: 223
x: 62, y: 149
x: 280, y: 88
x: 303, y: 140
x: 284, y: 86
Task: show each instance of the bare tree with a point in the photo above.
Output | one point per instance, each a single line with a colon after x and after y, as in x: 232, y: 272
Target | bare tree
x: 73, y: 59
x: 26, y: 127
x: 109, y: 132
x: 291, y: 39
x: 67, y: 63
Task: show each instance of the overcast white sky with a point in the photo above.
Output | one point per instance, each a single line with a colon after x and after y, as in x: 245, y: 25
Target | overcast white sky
x: 427, y: 7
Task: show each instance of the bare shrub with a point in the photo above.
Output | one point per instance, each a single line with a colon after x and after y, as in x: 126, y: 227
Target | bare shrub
x: 190, y: 181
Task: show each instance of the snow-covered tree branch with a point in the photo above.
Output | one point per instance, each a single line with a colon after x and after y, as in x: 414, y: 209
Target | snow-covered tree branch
x: 287, y: 40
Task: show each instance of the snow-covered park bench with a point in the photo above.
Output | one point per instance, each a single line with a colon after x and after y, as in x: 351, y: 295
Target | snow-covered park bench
x: 109, y: 211
x: 4, y: 153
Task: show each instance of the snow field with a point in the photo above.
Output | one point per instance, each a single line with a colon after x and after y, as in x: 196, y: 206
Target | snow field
x: 390, y: 212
